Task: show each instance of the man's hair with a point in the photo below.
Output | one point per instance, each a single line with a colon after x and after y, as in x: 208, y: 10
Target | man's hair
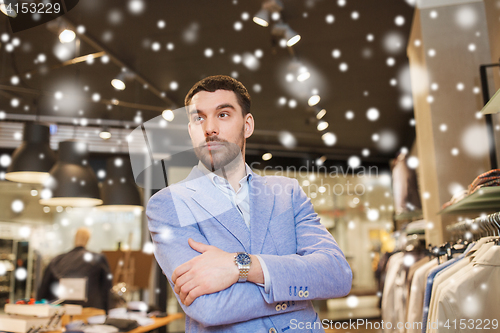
x: 222, y: 82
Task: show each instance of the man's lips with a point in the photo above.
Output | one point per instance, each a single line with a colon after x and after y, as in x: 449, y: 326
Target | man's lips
x: 214, y: 145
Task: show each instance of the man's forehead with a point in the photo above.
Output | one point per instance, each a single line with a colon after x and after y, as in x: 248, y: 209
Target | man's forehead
x: 207, y: 99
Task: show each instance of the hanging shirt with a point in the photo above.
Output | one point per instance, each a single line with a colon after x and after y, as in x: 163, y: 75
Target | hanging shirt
x: 417, y: 296
x: 430, y: 281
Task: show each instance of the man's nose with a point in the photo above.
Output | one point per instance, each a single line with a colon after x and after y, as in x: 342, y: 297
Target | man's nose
x: 211, y: 127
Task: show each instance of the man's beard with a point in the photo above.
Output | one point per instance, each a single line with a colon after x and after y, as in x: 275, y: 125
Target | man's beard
x: 226, y: 156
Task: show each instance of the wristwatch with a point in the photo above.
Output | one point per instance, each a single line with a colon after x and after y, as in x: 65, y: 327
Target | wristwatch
x: 243, y: 261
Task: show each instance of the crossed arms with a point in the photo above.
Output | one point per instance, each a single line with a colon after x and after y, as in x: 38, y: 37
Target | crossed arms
x: 206, y: 284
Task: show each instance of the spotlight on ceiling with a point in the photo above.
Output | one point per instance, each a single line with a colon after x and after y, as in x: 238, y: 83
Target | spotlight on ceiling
x: 322, y: 125
x: 313, y: 100
x: 268, y: 7
x: 8, y: 7
x: 303, y: 74
x: 67, y: 36
x: 262, y: 18
x: 267, y: 156
x: 119, y: 81
x: 105, y: 134
x: 284, y: 30
x: 321, y: 113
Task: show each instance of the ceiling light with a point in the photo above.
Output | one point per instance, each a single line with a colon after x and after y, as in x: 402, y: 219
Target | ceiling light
x: 291, y: 37
x: 313, y: 100
x: 268, y: 7
x: 33, y: 159
x: 118, y: 84
x: 267, y: 156
x: 67, y: 36
x: 329, y: 138
x: 321, y: 113
x: 262, y: 18
x: 168, y: 115
x: 8, y: 7
x: 322, y: 125
x: 72, y: 181
x: 105, y: 134
x: 119, y: 81
x: 303, y: 76
x: 284, y: 30
x: 119, y: 191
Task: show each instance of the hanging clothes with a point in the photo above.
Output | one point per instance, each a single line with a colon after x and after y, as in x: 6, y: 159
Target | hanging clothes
x: 471, y: 302
x: 448, y: 273
x: 389, y: 301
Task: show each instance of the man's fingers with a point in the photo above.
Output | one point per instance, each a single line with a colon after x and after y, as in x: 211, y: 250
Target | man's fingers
x: 181, y: 280
x: 197, y: 246
x: 186, y: 289
x: 193, y: 294
x: 181, y: 270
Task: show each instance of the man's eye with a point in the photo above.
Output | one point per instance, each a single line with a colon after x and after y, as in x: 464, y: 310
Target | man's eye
x: 223, y: 115
x: 197, y: 118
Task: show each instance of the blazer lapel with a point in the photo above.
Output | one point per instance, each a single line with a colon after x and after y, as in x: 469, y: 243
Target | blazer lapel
x: 217, y: 206
x: 261, y: 207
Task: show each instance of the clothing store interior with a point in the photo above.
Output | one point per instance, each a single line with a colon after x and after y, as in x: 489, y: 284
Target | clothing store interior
x: 383, y: 111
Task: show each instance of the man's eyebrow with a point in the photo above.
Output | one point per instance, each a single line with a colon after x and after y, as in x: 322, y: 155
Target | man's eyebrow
x: 224, y: 106
x: 195, y: 111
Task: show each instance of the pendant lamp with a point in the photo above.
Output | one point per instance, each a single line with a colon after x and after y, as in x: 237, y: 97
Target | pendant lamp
x: 72, y: 181
x: 33, y: 159
x: 119, y: 191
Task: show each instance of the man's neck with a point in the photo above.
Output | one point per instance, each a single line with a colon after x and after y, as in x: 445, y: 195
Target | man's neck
x: 233, y: 173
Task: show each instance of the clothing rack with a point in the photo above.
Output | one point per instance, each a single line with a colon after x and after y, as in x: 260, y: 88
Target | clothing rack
x: 476, y: 228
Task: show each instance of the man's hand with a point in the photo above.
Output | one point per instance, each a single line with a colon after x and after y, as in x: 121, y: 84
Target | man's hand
x: 212, y: 271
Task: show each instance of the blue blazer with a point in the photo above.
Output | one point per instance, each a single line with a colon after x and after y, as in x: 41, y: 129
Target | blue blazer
x: 303, y: 259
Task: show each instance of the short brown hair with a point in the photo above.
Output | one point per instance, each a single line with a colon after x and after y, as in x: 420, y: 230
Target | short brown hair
x: 222, y: 82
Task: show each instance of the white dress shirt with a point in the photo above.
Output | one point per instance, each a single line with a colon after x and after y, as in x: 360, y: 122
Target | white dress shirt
x: 241, y: 200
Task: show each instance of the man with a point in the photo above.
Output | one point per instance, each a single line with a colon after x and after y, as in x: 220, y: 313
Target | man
x: 79, y: 263
x: 243, y: 253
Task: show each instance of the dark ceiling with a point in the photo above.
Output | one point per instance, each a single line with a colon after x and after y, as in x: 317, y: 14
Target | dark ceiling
x: 195, y: 26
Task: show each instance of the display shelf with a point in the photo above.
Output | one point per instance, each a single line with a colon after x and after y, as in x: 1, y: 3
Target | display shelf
x: 486, y: 199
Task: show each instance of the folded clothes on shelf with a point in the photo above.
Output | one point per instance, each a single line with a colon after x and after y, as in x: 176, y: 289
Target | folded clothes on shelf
x: 489, y: 178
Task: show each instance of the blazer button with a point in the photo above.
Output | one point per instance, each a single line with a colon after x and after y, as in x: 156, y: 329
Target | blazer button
x: 278, y: 307
x: 301, y: 293
x: 306, y: 293
x: 284, y: 306
x: 272, y: 330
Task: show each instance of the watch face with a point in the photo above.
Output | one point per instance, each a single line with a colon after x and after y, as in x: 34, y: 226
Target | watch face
x: 243, y: 259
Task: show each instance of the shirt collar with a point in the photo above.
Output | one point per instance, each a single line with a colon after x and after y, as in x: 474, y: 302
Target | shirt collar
x: 216, y: 178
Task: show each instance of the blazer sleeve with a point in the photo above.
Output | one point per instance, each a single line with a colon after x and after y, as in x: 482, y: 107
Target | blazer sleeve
x: 172, y: 249
x: 318, y: 270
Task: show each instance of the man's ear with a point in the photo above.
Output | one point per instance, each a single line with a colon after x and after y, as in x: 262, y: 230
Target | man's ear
x: 249, y: 125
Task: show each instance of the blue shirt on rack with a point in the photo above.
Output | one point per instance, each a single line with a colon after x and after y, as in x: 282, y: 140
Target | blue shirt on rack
x: 430, y: 282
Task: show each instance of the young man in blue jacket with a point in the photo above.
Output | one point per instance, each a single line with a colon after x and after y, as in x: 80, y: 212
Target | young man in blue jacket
x: 243, y: 253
